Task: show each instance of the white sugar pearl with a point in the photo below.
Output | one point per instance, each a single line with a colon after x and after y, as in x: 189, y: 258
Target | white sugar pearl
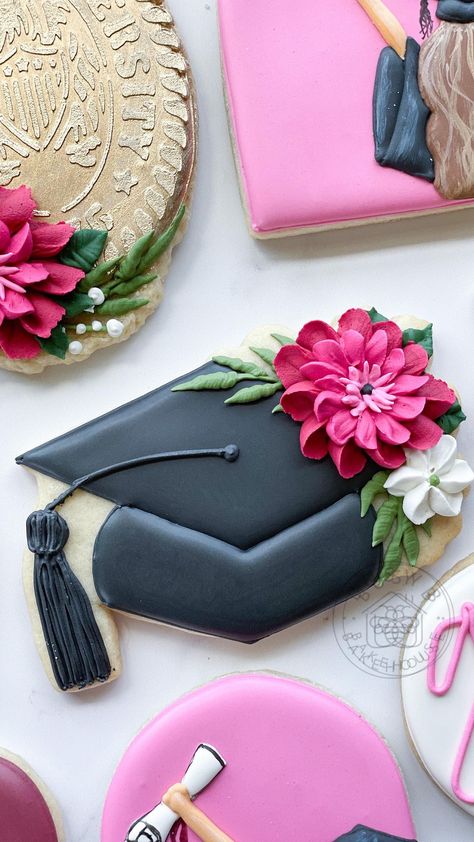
x: 114, y: 328
x: 76, y: 348
x: 96, y: 325
x: 97, y: 295
x: 80, y: 329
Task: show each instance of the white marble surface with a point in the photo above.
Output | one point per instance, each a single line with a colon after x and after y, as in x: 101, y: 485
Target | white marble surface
x: 220, y: 285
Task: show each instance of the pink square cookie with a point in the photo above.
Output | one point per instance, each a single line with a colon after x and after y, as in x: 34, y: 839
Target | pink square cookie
x: 299, y: 81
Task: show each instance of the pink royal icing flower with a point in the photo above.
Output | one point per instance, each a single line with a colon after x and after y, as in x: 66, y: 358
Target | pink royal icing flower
x: 28, y: 276
x: 359, y: 393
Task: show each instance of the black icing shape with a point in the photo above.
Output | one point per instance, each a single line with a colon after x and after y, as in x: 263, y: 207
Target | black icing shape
x: 366, y: 834
x: 456, y: 11
x: 400, y: 114
x: 237, y: 549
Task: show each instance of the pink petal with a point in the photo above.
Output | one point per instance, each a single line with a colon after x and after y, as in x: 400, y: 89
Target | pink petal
x: 388, y: 456
x: 46, y: 315
x: 395, y: 362
x: 424, y: 433
x: 406, y: 408
x: 331, y: 382
x: 390, y: 430
x: 356, y: 319
x: 4, y: 238
x: 327, y: 404
x: 15, y: 304
x: 313, y: 439
x: 317, y: 371
x: 30, y: 273
x: 298, y: 400
x: 16, y: 206
x: 366, y: 433
x: 330, y: 352
x: 341, y: 427
x: 353, y: 345
x: 288, y: 363
x: 439, y: 397
x: 49, y: 239
x: 314, y: 332
x: 61, y: 279
x: 393, y: 333
x: 376, y: 348
x: 407, y: 383
x: 21, y: 245
x: 16, y: 343
x: 348, y: 459
x: 416, y: 359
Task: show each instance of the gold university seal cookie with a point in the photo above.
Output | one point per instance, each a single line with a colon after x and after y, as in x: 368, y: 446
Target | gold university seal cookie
x: 97, y: 119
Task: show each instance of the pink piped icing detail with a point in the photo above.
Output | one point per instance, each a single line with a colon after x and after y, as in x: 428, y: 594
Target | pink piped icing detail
x: 465, y: 625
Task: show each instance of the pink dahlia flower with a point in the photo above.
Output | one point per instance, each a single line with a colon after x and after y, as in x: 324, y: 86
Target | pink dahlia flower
x: 28, y: 274
x: 359, y: 393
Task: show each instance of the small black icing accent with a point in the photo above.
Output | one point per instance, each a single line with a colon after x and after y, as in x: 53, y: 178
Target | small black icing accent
x: 367, y: 389
x: 400, y: 114
x: 77, y: 652
x: 456, y: 11
x: 367, y: 834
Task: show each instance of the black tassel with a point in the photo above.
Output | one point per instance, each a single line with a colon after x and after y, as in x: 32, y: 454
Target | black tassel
x: 76, y: 649
x: 426, y: 21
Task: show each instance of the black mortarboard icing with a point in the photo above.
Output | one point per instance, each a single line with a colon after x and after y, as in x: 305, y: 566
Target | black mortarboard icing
x: 366, y: 834
x: 456, y: 11
x: 239, y: 547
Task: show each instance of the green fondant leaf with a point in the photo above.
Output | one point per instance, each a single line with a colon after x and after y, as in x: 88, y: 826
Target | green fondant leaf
x: 411, y: 543
x: 74, y: 303
x: 426, y: 527
x: 450, y: 421
x: 254, y: 393
x: 130, y: 263
x: 214, y: 381
x: 423, y: 337
x: 283, y: 340
x: 127, y: 287
x: 277, y: 408
x: 120, y: 306
x: 385, y: 520
x: 392, y: 558
x: 56, y: 344
x: 162, y: 243
x: 265, y: 354
x: 84, y: 249
x: 97, y: 276
x: 376, y: 317
x: 241, y: 366
x: 370, y: 491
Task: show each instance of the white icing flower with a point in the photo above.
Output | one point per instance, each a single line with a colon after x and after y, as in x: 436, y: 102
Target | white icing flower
x: 114, y: 328
x: 97, y: 295
x: 431, y: 482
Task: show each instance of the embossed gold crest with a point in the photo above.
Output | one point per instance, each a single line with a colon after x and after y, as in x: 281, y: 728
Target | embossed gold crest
x: 97, y: 118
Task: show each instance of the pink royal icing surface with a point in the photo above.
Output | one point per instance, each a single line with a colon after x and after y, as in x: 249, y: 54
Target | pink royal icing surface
x: 300, y: 764
x: 300, y: 80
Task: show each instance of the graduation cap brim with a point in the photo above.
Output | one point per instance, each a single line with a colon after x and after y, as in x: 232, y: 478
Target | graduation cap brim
x: 237, y: 550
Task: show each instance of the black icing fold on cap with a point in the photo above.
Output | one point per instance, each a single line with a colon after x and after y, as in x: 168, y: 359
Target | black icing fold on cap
x: 456, y: 11
x: 366, y: 834
x: 239, y: 550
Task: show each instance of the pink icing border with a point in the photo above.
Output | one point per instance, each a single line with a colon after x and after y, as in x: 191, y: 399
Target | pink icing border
x: 301, y: 764
x: 302, y: 104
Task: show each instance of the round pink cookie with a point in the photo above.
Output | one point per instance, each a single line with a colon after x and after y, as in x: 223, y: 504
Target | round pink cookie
x: 301, y: 764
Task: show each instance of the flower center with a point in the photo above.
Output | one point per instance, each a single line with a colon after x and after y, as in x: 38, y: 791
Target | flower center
x: 435, y: 480
x: 367, y: 388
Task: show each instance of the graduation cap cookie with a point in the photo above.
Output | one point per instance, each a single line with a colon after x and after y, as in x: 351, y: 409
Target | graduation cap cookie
x: 271, y: 483
x: 282, y: 759
x: 318, y: 144
x: 97, y: 148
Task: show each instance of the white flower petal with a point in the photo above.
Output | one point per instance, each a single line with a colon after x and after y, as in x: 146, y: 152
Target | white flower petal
x: 403, y: 480
x: 418, y: 459
x: 447, y: 505
x: 416, y: 504
x: 458, y: 478
x: 443, y: 455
